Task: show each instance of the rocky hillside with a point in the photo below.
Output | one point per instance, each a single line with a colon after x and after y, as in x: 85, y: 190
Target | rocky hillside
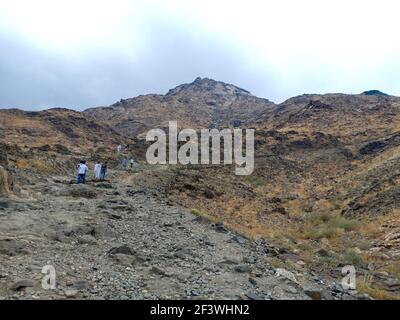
x: 352, y: 118
x: 325, y: 189
x: 326, y: 178
x: 204, y: 103
x: 59, y: 130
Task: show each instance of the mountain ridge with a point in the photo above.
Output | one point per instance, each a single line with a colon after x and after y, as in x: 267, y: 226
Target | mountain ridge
x: 210, y: 84
x: 204, y: 103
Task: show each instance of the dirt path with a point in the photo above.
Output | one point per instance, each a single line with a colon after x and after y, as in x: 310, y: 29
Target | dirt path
x: 118, y: 241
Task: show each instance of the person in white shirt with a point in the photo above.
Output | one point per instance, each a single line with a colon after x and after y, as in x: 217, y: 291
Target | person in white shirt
x: 82, y: 169
x: 97, y: 170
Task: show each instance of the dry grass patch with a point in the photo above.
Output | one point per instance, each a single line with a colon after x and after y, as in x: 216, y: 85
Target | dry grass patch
x: 210, y: 218
x: 22, y: 164
x: 364, y: 285
x: 326, y: 225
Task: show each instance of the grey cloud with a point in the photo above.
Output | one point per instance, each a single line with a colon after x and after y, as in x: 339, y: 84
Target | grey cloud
x: 35, y: 79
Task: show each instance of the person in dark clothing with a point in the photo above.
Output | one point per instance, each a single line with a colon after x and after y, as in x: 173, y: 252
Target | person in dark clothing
x: 103, y: 171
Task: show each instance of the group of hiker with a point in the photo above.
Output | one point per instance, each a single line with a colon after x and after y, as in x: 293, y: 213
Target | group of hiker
x: 124, y: 164
x: 100, y: 171
x: 122, y: 148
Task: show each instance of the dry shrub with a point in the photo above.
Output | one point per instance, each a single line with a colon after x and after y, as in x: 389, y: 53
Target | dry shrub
x: 327, y: 225
x: 22, y: 164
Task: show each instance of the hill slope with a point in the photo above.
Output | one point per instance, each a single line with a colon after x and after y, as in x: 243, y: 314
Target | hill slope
x: 55, y: 127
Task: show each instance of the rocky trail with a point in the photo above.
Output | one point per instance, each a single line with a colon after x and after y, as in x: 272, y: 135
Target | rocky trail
x: 115, y: 240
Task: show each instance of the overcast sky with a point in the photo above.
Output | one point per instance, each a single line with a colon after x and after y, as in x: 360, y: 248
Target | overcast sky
x: 84, y: 53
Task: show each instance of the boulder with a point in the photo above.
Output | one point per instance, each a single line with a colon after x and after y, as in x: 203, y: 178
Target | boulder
x: 236, y: 123
x: 280, y: 272
x: 21, y: 284
x: 7, y: 183
x: 87, y: 239
x: 4, y: 184
x: 242, y: 268
x: 372, y: 147
x: 124, y: 249
x: 71, y: 293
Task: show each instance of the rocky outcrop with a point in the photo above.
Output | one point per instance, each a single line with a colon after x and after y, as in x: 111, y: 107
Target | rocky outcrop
x: 4, y: 184
x: 7, y: 183
x: 373, y: 147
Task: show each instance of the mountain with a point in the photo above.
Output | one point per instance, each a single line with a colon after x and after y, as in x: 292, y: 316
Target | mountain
x: 326, y: 184
x: 204, y: 103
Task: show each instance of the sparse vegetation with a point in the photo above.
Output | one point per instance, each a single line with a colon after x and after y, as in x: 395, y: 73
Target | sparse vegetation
x: 255, y: 181
x: 364, y: 285
x: 22, y: 164
x: 42, y: 166
x: 196, y: 212
x: 326, y: 225
x: 352, y: 257
x: 210, y: 218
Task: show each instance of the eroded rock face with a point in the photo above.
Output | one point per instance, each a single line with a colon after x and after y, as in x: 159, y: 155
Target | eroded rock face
x: 4, y: 184
x: 6, y: 181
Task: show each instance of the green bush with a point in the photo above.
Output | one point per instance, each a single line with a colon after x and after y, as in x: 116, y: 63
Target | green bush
x: 326, y: 225
x: 353, y: 258
x: 196, y: 212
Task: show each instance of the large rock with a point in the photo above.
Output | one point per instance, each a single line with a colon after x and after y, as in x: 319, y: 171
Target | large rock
x: 123, y: 249
x: 21, y: 284
x: 7, y: 182
x: 3, y: 155
x: 4, y: 184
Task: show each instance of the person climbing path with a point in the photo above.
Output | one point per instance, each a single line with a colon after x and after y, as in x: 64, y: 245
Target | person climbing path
x: 82, y: 170
x: 97, y: 170
x: 103, y: 171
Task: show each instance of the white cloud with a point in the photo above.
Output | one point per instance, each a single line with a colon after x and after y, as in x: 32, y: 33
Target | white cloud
x: 288, y: 47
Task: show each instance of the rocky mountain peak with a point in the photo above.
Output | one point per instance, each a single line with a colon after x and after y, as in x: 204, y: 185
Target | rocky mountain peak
x: 202, y: 85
